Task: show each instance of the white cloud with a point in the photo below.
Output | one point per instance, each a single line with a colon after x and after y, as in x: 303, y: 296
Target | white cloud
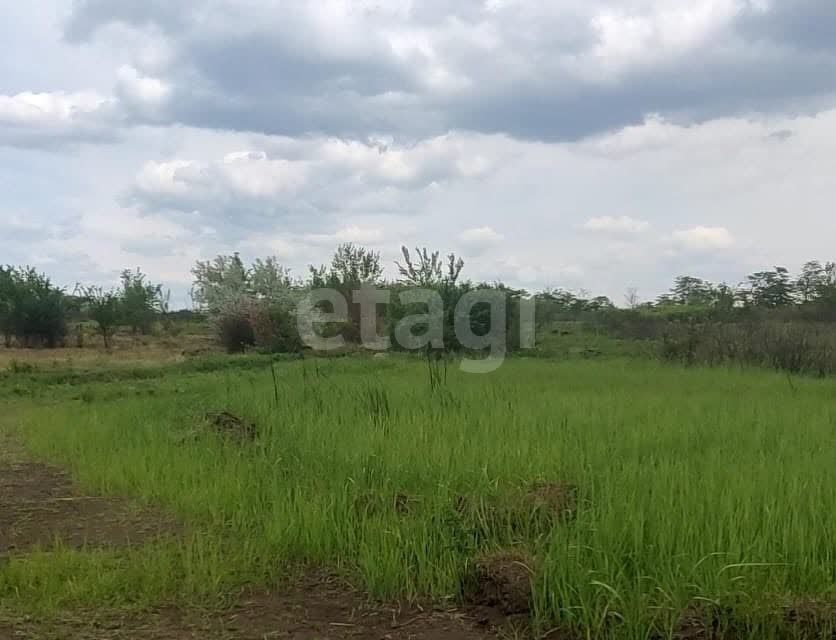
x: 240, y: 125
x: 704, y: 238
x: 418, y: 69
x: 364, y: 235
x: 53, y: 118
x: 616, y: 225
x: 480, y: 237
x: 309, y: 177
x: 143, y: 93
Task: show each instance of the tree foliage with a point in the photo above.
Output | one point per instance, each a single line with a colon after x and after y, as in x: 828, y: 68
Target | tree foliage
x: 140, y: 300
x: 104, y: 308
x: 32, y: 310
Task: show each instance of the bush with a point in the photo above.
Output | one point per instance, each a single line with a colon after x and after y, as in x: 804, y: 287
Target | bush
x: 32, y: 309
x: 235, y: 331
x: 795, y: 347
x: 274, y: 328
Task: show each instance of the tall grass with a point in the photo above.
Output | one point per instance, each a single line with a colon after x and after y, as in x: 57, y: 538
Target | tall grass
x: 693, y: 484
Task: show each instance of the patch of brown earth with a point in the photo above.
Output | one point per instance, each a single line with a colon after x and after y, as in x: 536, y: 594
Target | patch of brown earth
x: 315, y: 608
x: 229, y: 425
x: 697, y: 623
x: 801, y: 620
x: 555, y: 498
x: 39, y: 505
x: 501, y: 580
x: 812, y: 618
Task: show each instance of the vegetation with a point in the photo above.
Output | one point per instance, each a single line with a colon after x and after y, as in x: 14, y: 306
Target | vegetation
x: 32, y: 310
x: 404, y: 484
x: 772, y: 319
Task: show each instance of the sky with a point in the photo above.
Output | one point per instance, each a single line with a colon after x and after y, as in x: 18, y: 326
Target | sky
x: 595, y: 145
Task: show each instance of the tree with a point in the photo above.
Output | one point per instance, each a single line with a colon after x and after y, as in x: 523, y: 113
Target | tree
x: 770, y: 289
x: 269, y: 280
x: 249, y: 306
x: 217, y: 282
x: 140, y: 300
x: 104, y: 308
x: 689, y: 290
x: 631, y: 298
x: 427, y: 269
x: 33, y: 309
x: 810, y: 282
x: 8, y: 303
x: 351, y: 266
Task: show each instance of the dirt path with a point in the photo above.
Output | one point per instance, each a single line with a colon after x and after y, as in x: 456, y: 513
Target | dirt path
x: 39, y: 505
x: 316, y: 607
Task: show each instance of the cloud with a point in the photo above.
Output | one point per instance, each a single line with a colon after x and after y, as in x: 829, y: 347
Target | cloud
x: 144, y: 95
x: 704, y: 238
x: 782, y: 135
x: 364, y: 235
x: 558, y: 71
x: 479, y: 239
x: 302, y: 179
x: 51, y: 119
x: 616, y: 225
x: 290, y: 127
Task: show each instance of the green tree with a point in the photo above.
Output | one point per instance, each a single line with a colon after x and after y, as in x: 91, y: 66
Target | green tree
x: 9, y: 292
x: 104, y: 308
x: 220, y: 281
x: 770, y: 289
x: 38, y: 309
x: 140, y: 300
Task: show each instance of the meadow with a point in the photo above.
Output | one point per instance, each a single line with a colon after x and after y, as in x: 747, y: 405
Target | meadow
x: 701, y: 495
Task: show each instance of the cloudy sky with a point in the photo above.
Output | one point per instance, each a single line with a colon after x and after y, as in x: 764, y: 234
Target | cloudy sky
x: 596, y: 144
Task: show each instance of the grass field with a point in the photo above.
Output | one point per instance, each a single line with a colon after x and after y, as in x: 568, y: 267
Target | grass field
x: 704, y: 494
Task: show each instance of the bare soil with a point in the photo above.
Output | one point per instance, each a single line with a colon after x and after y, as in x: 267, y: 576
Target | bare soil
x: 41, y: 507
x: 316, y: 607
x: 502, y: 580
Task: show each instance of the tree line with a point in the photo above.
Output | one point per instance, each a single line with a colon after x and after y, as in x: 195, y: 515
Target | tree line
x: 34, y: 312
x: 255, y: 306
x: 811, y: 294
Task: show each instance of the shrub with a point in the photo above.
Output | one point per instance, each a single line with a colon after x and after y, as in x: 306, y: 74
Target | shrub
x: 274, y: 328
x: 795, y: 347
x: 235, y: 331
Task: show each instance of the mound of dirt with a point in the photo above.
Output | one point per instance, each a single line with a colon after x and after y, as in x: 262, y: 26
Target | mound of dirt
x: 697, y: 623
x: 229, y: 425
x: 812, y: 618
x: 800, y: 620
x: 555, y: 498
x: 501, y: 580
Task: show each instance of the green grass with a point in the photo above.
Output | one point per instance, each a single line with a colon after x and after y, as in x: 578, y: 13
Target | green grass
x: 694, y: 484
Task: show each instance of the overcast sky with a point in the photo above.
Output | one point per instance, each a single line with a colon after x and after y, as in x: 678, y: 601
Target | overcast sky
x: 596, y: 144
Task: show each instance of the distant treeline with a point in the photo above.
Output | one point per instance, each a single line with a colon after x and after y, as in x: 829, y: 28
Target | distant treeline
x: 772, y: 318
x: 34, y: 312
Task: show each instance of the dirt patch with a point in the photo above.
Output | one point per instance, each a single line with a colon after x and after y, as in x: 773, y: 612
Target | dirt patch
x: 559, y: 499
x: 39, y: 506
x: 698, y: 622
x: 315, y: 608
x: 501, y: 580
x: 229, y: 425
x: 811, y: 618
x: 800, y: 620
